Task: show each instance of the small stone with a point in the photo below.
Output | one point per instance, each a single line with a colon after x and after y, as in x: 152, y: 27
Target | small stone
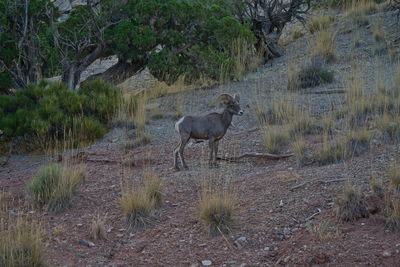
x: 122, y: 229
x: 109, y: 229
x: 86, y: 243
x: 266, y: 249
x: 309, y: 260
x: 120, y: 235
x: 232, y: 262
x: 281, y: 203
x: 79, y: 224
x: 387, y: 253
x: 202, y: 245
x: 195, y: 264
x: 240, y: 242
x: 206, y: 262
x: 131, y: 235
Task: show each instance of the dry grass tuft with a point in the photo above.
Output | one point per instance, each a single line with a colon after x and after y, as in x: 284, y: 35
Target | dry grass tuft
x: 297, y: 32
x: 306, y: 76
x: 319, y: 23
x: 217, y: 212
x: 359, y: 9
x: 319, y: 231
x: 330, y: 151
x: 323, y: 44
x: 97, y: 228
x: 3, y: 200
x: 137, y: 208
x: 299, y: 147
x: 351, y: 206
x: 274, y: 137
x: 54, y: 185
x: 154, y: 188
x: 20, y: 244
x: 278, y: 112
x: 393, y: 174
x: 393, y: 213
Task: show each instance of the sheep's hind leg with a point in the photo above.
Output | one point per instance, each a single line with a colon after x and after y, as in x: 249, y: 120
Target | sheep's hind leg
x: 176, y: 151
x: 184, y: 140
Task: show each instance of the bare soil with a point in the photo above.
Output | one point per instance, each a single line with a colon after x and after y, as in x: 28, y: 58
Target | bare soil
x: 272, y: 217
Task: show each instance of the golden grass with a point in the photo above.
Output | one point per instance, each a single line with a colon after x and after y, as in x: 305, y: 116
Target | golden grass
x: 137, y: 208
x: 278, y: 112
x: 274, y: 137
x: 245, y: 58
x: 377, y: 31
x: 319, y: 23
x: 358, y: 9
x: 393, y: 174
x: 299, y: 146
x: 3, y: 200
x: 323, y: 44
x: 97, y: 228
x: 54, y: 185
x: 393, y: 213
x: 297, y: 32
x: 351, y: 206
x: 309, y: 75
x: 154, y: 188
x: 319, y: 230
x: 330, y: 151
x: 217, y: 212
x: 20, y: 244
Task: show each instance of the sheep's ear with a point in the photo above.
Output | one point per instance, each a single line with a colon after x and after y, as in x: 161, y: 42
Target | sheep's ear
x: 236, y: 97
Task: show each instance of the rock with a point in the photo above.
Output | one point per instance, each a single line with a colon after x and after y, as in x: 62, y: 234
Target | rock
x: 120, y: 235
x: 231, y: 262
x: 86, y: 243
x: 240, y: 242
x: 206, y: 262
x: 79, y: 224
x: 386, y: 253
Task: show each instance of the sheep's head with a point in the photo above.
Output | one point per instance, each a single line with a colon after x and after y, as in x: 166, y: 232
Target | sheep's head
x: 231, y: 103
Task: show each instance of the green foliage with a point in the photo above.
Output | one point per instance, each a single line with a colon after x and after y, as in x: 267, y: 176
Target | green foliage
x: 43, y: 183
x: 20, y: 41
x: 195, y: 37
x: 55, y: 185
x: 101, y: 99
x: 51, y: 110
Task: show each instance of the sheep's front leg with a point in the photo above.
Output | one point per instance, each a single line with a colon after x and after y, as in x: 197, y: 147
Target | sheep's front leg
x: 211, y: 147
x: 215, y: 153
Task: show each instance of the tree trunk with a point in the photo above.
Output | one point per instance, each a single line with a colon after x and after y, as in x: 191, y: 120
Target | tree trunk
x: 72, y: 70
x: 267, y: 40
x: 119, y: 72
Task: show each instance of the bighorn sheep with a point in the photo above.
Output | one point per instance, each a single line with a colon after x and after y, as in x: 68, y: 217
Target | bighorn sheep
x: 211, y: 127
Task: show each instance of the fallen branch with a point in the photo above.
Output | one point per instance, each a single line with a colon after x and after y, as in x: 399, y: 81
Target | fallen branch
x: 318, y: 180
x: 313, y: 215
x: 328, y: 92
x: 256, y: 155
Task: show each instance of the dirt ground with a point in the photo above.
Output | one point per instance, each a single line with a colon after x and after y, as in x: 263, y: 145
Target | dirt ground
x: 273, y: 220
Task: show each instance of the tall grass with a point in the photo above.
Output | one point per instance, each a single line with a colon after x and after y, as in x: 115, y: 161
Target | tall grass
x: 54, y: 185
x: 217, y: 212
x: 20, y: 244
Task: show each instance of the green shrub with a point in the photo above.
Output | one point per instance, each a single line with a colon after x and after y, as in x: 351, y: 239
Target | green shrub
x: 101, y: 99
x: 54, y: 185
x: 42, y: 185
x: 309, y: 76
x: 49, y: 110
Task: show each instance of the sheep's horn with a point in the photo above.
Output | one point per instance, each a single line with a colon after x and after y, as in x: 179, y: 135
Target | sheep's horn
x: 224, y: 98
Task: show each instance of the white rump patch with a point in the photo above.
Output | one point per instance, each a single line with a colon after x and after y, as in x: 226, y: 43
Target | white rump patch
x: 177, y: 124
